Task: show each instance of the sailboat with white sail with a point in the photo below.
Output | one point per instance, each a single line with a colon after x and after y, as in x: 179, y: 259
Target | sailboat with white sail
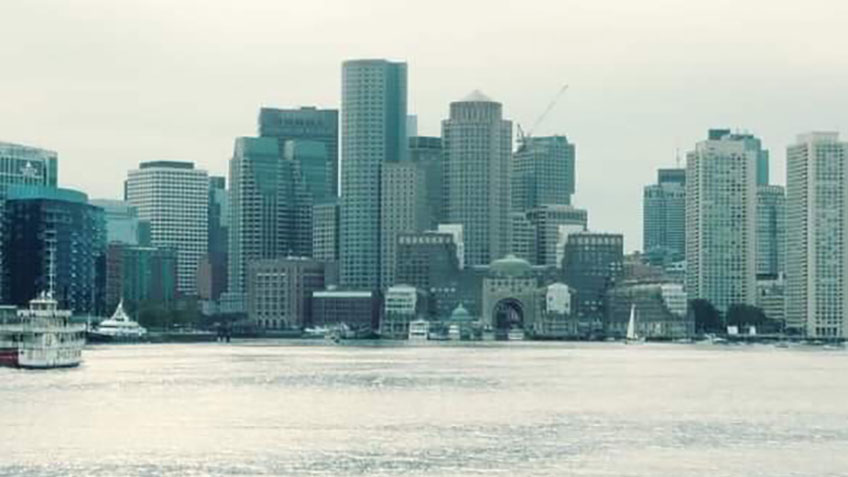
x: 632, y: 335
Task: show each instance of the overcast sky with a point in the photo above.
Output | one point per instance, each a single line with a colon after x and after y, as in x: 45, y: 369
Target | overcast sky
x: 110, y: 83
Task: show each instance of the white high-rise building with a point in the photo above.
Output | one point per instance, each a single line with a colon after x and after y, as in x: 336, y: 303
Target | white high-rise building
x: 816, y: 219
x: 173, y: 197
x: 721, y: 217
x: 477, y: 145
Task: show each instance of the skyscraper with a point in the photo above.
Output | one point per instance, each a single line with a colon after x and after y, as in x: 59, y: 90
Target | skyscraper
x: 664, y: 217
x: 266, y: 209
x: 427, y: 153
x: 542, y: 173
x: 305, y: 124
x: 477, y: 144
x: 551, y: 222
x: 373, y: 133
x: 817, y: 224
x: 771, y: 230
x: 402, y: 209
x: 721, y: 201
x: 174, y: 198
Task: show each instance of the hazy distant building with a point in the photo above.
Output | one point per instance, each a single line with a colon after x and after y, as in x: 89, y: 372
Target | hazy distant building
x: 173, y: 197
x: 212, y: 271
x: 542, y: 173
x: 429, y: 262
x: 752, y: 144
x: 140, y: 275
x: 402, y: 304
x: 402, y: 209
x: 426, y: 152
x: 664, y: 217
x: 771, y: 230
x: 314, y: 168
x: 279, y: 292
x: 358, y: 310
x: 817, y: 225
x: 477, y: 144
x: 373, y: 133
x: 521, y: 236
x: 325, y: 231
x: 54, y: 239
x: 592, y: 264
x: 122, y: 224
x: 306, y: 124
x: 721, y: 202
x: 552, y: 224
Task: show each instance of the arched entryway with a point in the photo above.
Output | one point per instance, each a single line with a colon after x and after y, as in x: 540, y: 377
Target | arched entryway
x: 508, y: 314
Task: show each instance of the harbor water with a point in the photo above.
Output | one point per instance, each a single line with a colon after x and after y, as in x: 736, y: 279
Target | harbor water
x: 312, y: 408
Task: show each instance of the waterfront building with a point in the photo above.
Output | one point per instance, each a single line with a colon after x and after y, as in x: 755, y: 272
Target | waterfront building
x: 721, y: 199
x: 402, y: 209
x: 510, y: 297
x: 771, y: 230
x: 542, y: 173
x: 137, y: 275
x: 122, y: 223
x: 24, y: 165
x: 771, y: 297
x: 816, y: 248
x: 664, y: 217
x: 429, y: 262
x: 173, y: 197
x: 279, y: 292
x: 54, y: 240
x: 357, y: 310
x: 557, y: 320
x: 592, y: 264
x: 660, y: 311
x: 458, y: 238
x: 426, y: 152
x: 552, y: 224
x: 373, y: 133
x: 402, y: 304
x: 306, y: 124
x: 477, y: 144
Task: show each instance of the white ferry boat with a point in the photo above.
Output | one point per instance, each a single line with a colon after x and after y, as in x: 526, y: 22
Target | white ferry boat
x: 120, y: 327
x: 41, y: 337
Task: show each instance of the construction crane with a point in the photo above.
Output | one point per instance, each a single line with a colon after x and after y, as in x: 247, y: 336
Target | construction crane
x: 522, y: 136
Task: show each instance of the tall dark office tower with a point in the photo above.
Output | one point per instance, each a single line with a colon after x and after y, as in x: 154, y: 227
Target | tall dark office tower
x: 55, y: 239
x: 402, y: 209
x: 664, y: 217
x: 307, y: 124
x: 542, y: 173
x: 771, y: 230
x: 426, y: 152
x: 477, y: 145
x: 591, y: 265
x: 269, y: 217
x: 212, y: 274
x: 373, y: 133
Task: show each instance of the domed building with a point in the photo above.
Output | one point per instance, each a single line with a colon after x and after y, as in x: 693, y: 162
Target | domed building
x: 510, y: 300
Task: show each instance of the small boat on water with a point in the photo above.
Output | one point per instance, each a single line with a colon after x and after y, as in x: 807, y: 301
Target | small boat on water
x: 119, y: 328
x: 41, y: 337
x: 632, y: 336
x: 515, y: 334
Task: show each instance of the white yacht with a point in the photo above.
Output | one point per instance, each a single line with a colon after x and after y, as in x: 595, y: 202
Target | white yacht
x: 515, y: 334
x: 41, y: 336
x: 120, y: 327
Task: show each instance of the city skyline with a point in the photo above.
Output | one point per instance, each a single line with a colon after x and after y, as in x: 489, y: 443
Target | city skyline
x: 653, y: 81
